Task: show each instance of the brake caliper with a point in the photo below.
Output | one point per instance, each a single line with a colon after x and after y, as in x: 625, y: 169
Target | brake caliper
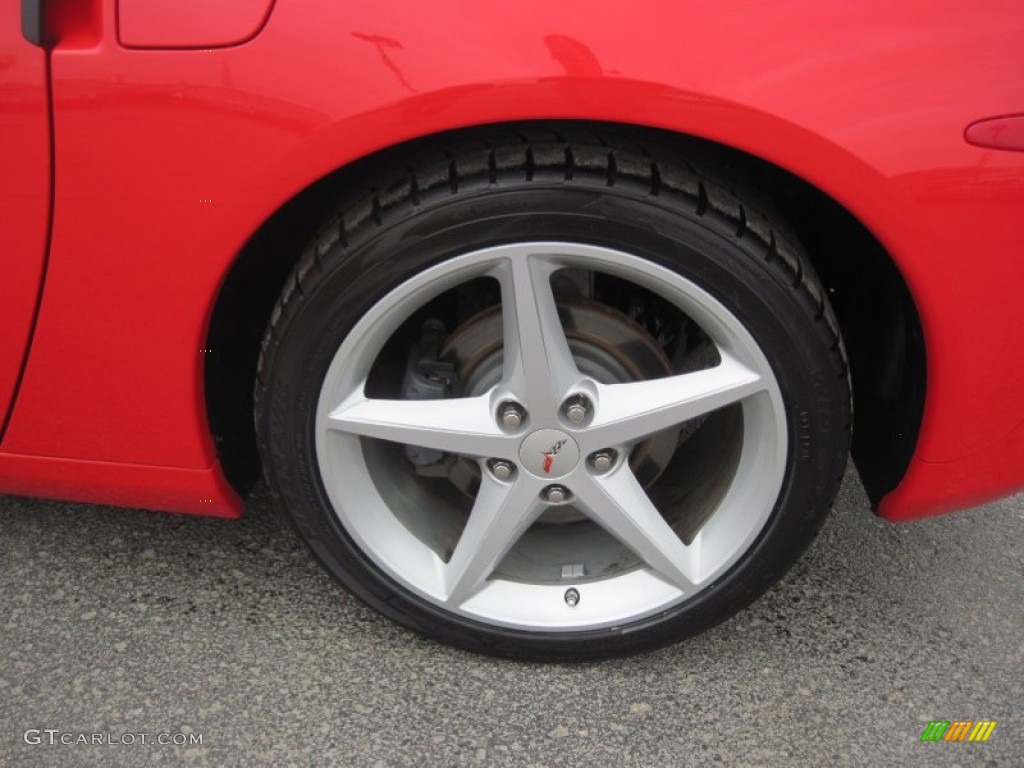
x: 427, y: 377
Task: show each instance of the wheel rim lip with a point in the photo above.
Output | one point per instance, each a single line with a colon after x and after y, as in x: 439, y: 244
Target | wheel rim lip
x: 732, y: 529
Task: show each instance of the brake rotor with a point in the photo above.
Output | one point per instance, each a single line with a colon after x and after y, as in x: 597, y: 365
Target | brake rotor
x: 607, y: 346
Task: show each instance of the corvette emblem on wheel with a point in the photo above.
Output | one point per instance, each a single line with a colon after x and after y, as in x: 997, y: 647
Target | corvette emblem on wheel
x: 549, y: 453
x: 549, y: 456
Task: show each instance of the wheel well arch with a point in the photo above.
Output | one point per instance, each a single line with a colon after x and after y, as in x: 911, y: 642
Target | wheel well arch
x: 878, y: 318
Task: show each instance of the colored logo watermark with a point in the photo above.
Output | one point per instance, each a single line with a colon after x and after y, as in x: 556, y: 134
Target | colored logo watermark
x: 958, y: 730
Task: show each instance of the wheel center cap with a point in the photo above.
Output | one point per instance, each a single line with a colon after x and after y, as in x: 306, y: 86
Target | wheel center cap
x: 548, y: 453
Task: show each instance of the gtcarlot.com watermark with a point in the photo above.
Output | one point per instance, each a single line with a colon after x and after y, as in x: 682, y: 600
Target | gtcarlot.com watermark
x: 56, y: 737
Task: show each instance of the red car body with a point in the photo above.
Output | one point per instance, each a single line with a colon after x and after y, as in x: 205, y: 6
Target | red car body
x: 146, y: 145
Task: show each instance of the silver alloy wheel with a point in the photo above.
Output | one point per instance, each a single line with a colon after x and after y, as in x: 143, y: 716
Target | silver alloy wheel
x: 400, y: 530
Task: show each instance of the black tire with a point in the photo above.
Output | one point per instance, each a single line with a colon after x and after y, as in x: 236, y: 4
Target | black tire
x: 591, y: 190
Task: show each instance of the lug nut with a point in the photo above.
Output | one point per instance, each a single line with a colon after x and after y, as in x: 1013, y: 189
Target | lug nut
x: 501, y: 469
x: 556, y: 494
x: 602, y: 461
x: 512, y: 415
x: 576, y: 409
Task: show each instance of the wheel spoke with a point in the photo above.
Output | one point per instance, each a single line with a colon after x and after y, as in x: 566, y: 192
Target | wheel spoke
x: 464, y: 426
x: 500, y: 515
x: 538, y: 364
x: 620, y: 505
x: 629, y: 412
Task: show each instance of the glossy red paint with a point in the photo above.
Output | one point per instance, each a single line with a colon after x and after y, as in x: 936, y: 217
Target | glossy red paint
x: 24, y: 196
x: 171, y: 489
x: 931, y: 488
x: 190, y: 23
x: 997, y: 133
x: 168, y: 161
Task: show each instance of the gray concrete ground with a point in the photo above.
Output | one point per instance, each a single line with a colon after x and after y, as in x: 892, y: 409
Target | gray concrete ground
x: 121, y: 622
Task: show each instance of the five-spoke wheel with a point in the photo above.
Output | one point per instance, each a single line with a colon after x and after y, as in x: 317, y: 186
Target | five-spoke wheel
x: 567, y: 445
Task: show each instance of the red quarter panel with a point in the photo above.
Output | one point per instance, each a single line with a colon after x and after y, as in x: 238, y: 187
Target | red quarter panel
x: 168, y: 161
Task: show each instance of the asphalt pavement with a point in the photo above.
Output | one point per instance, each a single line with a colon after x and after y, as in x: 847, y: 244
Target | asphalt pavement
x: 124, y: 628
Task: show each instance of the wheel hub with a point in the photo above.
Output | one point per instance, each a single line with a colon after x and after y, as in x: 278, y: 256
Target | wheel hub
x: 607, y: 346
x: 549, y: 454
